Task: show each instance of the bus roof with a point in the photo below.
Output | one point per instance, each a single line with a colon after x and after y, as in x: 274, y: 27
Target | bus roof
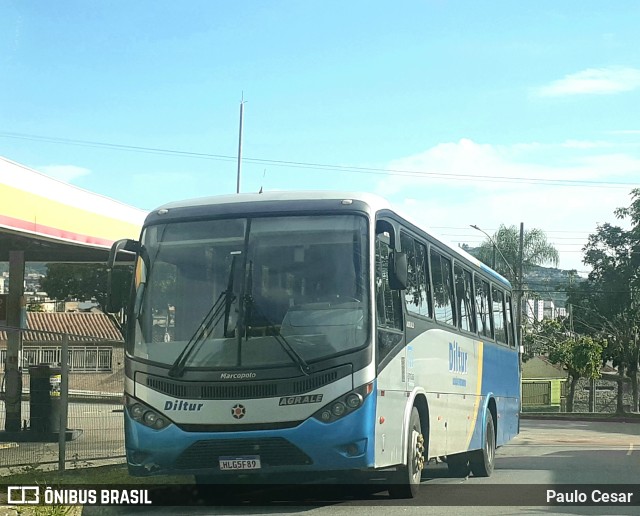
x: 375, y: 202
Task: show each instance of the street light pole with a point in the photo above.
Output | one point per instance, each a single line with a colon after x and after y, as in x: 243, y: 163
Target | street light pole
x: 495, y: 248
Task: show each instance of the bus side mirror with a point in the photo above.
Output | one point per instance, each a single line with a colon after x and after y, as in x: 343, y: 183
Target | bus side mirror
x: 398, y: 270
x: 115, y: 301
x: 127, y: 245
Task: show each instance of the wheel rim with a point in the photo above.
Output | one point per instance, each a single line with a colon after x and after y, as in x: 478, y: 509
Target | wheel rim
x: 490, y: 444
x: 418, y: 456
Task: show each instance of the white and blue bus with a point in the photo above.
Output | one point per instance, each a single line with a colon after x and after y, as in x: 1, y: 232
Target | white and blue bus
x: 317, y: 332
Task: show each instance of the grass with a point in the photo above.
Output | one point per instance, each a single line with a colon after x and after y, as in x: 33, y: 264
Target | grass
x: 110, y: 474
x: 99, y: 475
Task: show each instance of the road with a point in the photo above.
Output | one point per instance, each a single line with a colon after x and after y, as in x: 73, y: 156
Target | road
x: 546, y: 454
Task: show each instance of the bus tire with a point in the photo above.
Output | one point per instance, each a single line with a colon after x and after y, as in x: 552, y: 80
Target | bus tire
x: 482, y: 461
x: 406, y: 482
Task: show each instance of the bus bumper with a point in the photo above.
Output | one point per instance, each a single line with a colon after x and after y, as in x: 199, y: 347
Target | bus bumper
x: 344, y: 445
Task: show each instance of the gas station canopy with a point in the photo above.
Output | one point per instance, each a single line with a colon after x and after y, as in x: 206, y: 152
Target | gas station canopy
x: 53, y: 221
x: 46, y: 220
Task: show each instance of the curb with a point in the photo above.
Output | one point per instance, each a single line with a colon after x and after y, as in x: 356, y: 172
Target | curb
x: 583, y: 417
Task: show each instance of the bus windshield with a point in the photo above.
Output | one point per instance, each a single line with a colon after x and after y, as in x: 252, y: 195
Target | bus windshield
x: 258, y: 292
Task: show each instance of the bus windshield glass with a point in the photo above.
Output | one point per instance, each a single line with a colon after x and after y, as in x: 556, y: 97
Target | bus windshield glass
x: 258, y: 292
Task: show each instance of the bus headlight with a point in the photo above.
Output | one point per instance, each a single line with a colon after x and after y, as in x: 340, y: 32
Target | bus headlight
x: 354, y: 400
x: 145, y: 415
x: 325, y: 415
x: 137, y: 412
x: 344, y: 404
x: 338, y: 409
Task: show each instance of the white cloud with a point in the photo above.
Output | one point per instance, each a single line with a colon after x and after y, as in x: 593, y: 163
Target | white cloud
x: 594, y: 81
x: 66, y: 173
x: 569, y: 213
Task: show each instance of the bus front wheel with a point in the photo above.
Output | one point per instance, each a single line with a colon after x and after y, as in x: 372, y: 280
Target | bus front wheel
x: 406, y: 482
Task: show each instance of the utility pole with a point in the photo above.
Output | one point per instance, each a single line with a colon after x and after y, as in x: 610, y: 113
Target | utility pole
x: 242, y: 102
x: 520, y: 283
x: 12, y: 368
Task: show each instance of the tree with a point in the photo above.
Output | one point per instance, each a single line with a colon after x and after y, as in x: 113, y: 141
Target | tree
x: 85, y: 281
x: 542, y: 336
x: 536, y: 250
x: 607, y: 303
x: 580, y: 357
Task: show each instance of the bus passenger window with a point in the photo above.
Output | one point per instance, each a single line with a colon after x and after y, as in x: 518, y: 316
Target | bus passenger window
x: 417, y: 295
x: 442, y: 288
x: 510, y: 326
x: 387, y: 300
x: 464, y: 299
x: 388, y: 305
x: 497, y: 298
x: 483, y: 315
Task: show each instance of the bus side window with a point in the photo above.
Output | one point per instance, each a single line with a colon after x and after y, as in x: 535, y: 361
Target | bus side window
x: 497, y: 298
x: 464, y: 299
x: 388, y: 303
x: 483, y: 315
x: 417, y: 296
x: 442, y: 288
x: 510, y: 327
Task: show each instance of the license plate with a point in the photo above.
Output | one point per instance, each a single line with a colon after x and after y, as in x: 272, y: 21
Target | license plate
x: 239, y: 463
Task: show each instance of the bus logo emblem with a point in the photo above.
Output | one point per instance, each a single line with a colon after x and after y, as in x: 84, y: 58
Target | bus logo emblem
x: 458, y: 359
x: 238, y: 411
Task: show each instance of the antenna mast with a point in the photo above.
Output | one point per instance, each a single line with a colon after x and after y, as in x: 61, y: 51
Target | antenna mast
x: 242, y: 102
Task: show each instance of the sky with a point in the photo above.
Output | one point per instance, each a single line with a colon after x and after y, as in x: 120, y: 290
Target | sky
x: 458, y: 112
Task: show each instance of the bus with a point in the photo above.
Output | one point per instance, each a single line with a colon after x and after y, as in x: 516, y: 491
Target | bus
x: 312, y: 332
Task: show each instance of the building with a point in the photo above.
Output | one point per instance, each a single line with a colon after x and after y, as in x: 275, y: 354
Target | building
x: 95, y: 341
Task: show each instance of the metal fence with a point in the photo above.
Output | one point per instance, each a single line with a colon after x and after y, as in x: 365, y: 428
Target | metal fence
x: 90, y: 404
x: 82, y: 359
x: 536, y: 393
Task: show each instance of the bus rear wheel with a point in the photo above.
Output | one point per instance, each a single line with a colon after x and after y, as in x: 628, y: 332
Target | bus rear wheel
x: 406, y: 482
x: 482, y: 461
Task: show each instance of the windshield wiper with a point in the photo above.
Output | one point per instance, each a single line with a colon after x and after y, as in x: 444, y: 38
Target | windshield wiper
x: 250, y: 307
x: 210, y: 320
x: 295, y: 357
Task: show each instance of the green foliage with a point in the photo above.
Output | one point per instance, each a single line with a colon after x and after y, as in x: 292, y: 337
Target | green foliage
x: 542, y: 337
x: 49, y: 510
x: 580, y: 357
x: 607, y: 304
x: 85, y: 281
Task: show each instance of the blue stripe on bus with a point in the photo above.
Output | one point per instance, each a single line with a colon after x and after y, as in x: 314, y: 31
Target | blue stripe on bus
x: 499, y: 375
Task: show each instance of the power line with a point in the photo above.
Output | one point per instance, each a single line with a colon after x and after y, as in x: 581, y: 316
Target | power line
x: 321, y: 166
x: 496, y: 229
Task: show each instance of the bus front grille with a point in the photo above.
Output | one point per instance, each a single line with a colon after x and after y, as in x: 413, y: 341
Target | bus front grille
x: 242, y: 390
x: 274, y: 451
